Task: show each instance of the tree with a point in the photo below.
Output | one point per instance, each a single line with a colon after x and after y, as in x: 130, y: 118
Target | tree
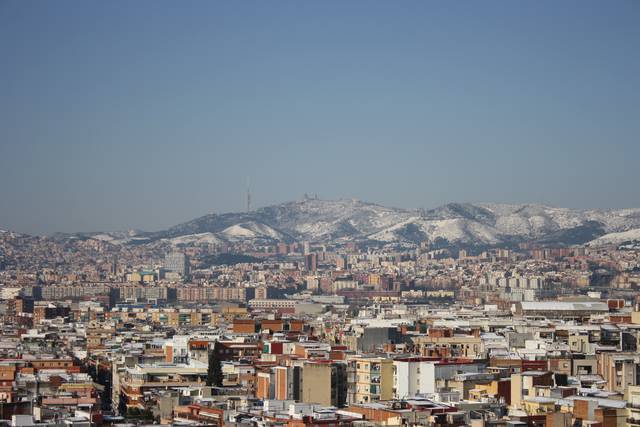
x: 214, y: 371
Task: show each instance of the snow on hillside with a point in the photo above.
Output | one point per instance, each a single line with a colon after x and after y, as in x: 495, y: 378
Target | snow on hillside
x: 243, y: 231
x: 314, y: 219
x: 348, y: 220
x: 191, y: 239
x: 469, y: 223
x: 250, y: 230
x: 617, y: 238
x: 113, y: 237
x: 532, y: 220
x: 616, y: 220
x: 453, y: 230
x: 392, y: 233
x: 103, y: 237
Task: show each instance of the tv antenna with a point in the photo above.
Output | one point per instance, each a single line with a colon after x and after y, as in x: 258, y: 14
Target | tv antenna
x: 248, y: 197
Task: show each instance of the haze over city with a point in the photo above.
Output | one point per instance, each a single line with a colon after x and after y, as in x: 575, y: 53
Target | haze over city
x: 147, y: 114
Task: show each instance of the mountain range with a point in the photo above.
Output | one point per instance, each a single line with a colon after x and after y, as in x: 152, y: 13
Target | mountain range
x: 455, y: 224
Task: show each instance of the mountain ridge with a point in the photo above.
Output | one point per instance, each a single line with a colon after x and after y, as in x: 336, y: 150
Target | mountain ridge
x: 462, y: 224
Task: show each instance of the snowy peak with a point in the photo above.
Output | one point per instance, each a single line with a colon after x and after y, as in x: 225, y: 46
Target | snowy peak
x: 348, y: 220
x: 315, y: 219
x: 469, y: 224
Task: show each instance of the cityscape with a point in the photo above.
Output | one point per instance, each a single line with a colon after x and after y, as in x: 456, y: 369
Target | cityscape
x: 320, y: 214
x: 248, y: 325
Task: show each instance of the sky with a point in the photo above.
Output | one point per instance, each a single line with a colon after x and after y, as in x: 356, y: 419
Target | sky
x: 118, y: 115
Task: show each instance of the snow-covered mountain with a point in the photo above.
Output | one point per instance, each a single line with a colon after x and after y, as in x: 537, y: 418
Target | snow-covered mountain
x: 455, y: 223
x: 311, y: 219
x: 490, y: 224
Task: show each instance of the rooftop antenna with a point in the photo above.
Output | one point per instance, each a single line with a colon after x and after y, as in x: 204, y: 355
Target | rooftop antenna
x: 248, y: 197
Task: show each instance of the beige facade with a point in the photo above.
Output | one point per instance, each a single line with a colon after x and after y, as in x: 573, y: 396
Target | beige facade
x: 370, y: 379
x: 316, y: 383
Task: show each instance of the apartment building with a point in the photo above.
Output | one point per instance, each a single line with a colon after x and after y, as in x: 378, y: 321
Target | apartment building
x: 421, y: 375
x: 370, y: 379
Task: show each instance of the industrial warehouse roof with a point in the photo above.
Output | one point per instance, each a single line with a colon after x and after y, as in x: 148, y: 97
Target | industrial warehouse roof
x: 564, y: 306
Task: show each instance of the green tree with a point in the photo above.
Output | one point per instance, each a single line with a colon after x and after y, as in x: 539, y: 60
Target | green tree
x: 214, y: 371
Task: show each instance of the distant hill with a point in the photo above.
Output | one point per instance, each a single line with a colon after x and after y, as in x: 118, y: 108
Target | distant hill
x: 459, y: 224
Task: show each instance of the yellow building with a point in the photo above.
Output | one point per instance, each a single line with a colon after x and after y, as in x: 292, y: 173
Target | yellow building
x: 148, y: 277
x: 134, y: 277
x: 538, y: 405
x: 491, y: 389
x: 370, y: 379
x: 467, y: 346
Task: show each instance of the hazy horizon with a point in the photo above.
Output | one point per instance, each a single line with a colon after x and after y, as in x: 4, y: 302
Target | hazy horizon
x: 147, y: 114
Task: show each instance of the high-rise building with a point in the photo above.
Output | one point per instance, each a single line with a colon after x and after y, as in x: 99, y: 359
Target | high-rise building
x: 311, y: 262
x: 177, y: 262
x: 342, y: 263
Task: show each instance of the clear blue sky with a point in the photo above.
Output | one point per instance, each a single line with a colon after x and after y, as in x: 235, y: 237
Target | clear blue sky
x: 144, y: 114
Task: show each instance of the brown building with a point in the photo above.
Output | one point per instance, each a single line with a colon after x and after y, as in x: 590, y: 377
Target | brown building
x: 311, y: 262
x: 244, y: 326
x: 49, y: 311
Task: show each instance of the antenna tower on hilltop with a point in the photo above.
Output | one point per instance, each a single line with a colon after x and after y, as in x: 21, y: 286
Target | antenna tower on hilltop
x: 248, y: 197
